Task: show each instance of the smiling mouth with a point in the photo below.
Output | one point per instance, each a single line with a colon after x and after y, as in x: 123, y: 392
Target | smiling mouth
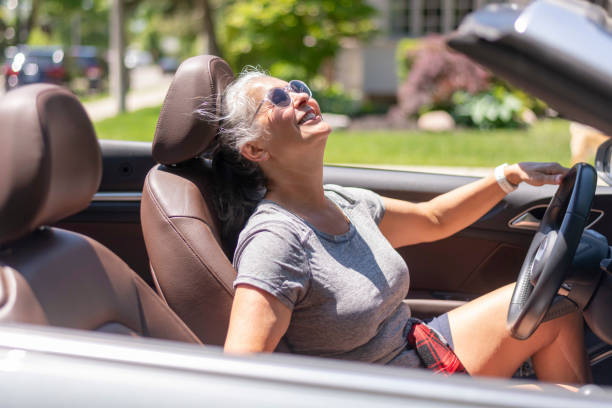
x: 310, y: 115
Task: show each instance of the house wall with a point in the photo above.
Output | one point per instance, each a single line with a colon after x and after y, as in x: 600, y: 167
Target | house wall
x: 369, y: 69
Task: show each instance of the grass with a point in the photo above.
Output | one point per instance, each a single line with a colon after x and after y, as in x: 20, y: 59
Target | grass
x: 548, y: 140
x: 92, y: 97
x: 138, y: 125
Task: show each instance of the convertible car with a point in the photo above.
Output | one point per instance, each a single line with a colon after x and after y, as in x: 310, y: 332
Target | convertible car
x: 115, y: 286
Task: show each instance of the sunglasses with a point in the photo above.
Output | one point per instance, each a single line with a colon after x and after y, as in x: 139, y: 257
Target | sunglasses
x: 280, y: 96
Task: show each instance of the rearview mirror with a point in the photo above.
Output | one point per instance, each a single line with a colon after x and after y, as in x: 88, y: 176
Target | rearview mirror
x: 602, y: 161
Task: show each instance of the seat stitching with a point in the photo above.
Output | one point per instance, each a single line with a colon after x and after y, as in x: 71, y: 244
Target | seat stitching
x: 211, y: 270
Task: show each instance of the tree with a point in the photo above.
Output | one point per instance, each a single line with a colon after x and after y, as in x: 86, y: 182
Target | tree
x: 55, y: 21
x: 291, y: 38
x: 185, y: 20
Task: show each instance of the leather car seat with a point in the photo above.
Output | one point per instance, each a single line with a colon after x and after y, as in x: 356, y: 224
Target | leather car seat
x: 181, y: 230
x: 50, y: 167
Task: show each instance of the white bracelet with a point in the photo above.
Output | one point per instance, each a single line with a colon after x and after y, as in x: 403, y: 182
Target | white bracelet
x: 500, y: 177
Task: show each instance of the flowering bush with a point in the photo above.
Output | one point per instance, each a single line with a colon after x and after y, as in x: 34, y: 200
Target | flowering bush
x: 436, y: 74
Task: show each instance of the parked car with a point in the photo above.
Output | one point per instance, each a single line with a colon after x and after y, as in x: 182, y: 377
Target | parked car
x: 168, y: 65
x: 137, y: 58
x: 89, y: 65
x: 28, y: 65
x: 40, y: 275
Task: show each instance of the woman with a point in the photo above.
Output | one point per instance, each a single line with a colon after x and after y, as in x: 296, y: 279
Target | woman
x: 316, y: 263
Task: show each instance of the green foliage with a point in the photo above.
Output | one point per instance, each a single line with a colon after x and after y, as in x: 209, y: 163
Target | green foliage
x: 335, y: 100
x: 57, y: 19
x: 405, y: 54
x: 435, y: 75
x: 496, y: 108
x: 291, y: 38
x: 529, y: 102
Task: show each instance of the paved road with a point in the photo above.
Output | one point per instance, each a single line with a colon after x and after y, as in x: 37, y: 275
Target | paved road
x: 149, y: 87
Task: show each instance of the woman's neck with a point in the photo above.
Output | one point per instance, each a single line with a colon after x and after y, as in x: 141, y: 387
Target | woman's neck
x: 299, y: 190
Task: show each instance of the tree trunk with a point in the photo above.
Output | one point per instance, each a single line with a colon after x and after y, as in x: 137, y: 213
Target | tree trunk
x: 209, y: 29
x: 118, y: 74
x: 31, y: 21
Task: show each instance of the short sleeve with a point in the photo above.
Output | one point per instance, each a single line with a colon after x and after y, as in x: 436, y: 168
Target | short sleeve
x: 372, y: 201
x: 272, y: 258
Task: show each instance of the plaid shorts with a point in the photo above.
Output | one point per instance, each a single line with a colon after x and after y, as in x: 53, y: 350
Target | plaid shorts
x: 433, y: 351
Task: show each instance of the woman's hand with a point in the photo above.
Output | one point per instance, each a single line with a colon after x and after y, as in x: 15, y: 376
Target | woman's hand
x: 536, y: 174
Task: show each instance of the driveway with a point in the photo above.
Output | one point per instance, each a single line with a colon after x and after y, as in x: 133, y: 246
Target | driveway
x: 149, y: 87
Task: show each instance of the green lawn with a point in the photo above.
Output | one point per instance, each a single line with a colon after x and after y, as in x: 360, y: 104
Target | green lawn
x: 548, y: 140
x: 137, y: 125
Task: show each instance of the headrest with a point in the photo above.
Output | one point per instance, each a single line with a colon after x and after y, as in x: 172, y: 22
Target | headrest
x: 50, y: 163
x: 180, y: 134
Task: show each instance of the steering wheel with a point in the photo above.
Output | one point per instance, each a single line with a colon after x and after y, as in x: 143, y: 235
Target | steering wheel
x: 552, y: 251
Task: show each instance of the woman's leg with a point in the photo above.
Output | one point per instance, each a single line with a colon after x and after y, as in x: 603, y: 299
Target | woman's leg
x: 485, y: 346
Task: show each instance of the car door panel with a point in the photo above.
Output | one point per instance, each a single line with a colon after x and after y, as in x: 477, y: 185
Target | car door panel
x: 474, y: 261
x: 482, y: 257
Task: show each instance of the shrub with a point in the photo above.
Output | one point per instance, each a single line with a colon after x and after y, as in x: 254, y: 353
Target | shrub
x: 436, y: 74
x: 407, y: 49
x: 334, y: 99
x: 497, y: 108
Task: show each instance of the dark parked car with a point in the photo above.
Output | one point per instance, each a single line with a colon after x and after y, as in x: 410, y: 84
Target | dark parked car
x: 29, y: 65
x: 168, y: 65
x: 86, y: 63
x: 72, y: 215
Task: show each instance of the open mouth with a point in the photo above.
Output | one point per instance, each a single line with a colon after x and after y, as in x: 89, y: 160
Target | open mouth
x: 308, y: 116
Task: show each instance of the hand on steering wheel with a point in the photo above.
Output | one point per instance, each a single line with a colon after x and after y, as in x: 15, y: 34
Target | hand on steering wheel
x: 552, y: 250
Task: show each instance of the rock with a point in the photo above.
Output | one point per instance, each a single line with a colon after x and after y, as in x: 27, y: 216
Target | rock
x: 436, y: 121
x: 528, y: 117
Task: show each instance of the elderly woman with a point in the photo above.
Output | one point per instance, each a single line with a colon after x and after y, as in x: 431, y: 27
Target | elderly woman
x: 316, y: 263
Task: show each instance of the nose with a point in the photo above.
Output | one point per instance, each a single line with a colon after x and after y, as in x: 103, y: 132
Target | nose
x: 299, y: 98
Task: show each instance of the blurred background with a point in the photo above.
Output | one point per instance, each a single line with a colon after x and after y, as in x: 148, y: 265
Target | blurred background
x: 378, y: 68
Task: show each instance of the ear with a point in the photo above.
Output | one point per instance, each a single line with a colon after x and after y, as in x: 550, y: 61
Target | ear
x: 253, y: 152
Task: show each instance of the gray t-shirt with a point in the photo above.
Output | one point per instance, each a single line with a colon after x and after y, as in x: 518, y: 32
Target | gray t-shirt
x: 345, y: 290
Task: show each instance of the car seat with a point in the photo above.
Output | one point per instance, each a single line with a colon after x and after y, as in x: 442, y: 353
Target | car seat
x: 50, y: 167
x: 181, y: 230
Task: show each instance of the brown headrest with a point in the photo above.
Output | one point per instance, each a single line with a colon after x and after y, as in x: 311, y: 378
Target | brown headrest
x: 50, y: 163
x: 180, y: 134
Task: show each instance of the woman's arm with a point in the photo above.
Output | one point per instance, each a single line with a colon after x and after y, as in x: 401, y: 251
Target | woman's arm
x: 406, y: 223
x: 257, y: 323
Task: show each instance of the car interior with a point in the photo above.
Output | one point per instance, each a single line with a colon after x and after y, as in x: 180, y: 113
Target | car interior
x: 91, y: 229
x: 50, y: 276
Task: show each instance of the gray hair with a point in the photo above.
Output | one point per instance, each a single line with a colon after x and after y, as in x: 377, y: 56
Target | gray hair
x: 239, y: 183
x: 237, y: 126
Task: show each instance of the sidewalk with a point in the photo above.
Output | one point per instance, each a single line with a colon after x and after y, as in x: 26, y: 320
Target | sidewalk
x: 149, y: 88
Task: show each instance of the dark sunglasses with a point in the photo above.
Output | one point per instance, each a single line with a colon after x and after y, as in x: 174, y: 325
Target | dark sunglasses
x: 281, y: 97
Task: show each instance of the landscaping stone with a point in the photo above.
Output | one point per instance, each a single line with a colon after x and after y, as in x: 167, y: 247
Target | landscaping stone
x: 436, y: 121
x: 528, y: 116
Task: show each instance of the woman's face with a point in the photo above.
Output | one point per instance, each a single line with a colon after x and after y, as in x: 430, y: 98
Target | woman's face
x: 285, y: 130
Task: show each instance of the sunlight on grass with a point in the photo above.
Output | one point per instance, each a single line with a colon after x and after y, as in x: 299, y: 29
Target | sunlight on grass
x: 138, y: 125
x: 548, y: 140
